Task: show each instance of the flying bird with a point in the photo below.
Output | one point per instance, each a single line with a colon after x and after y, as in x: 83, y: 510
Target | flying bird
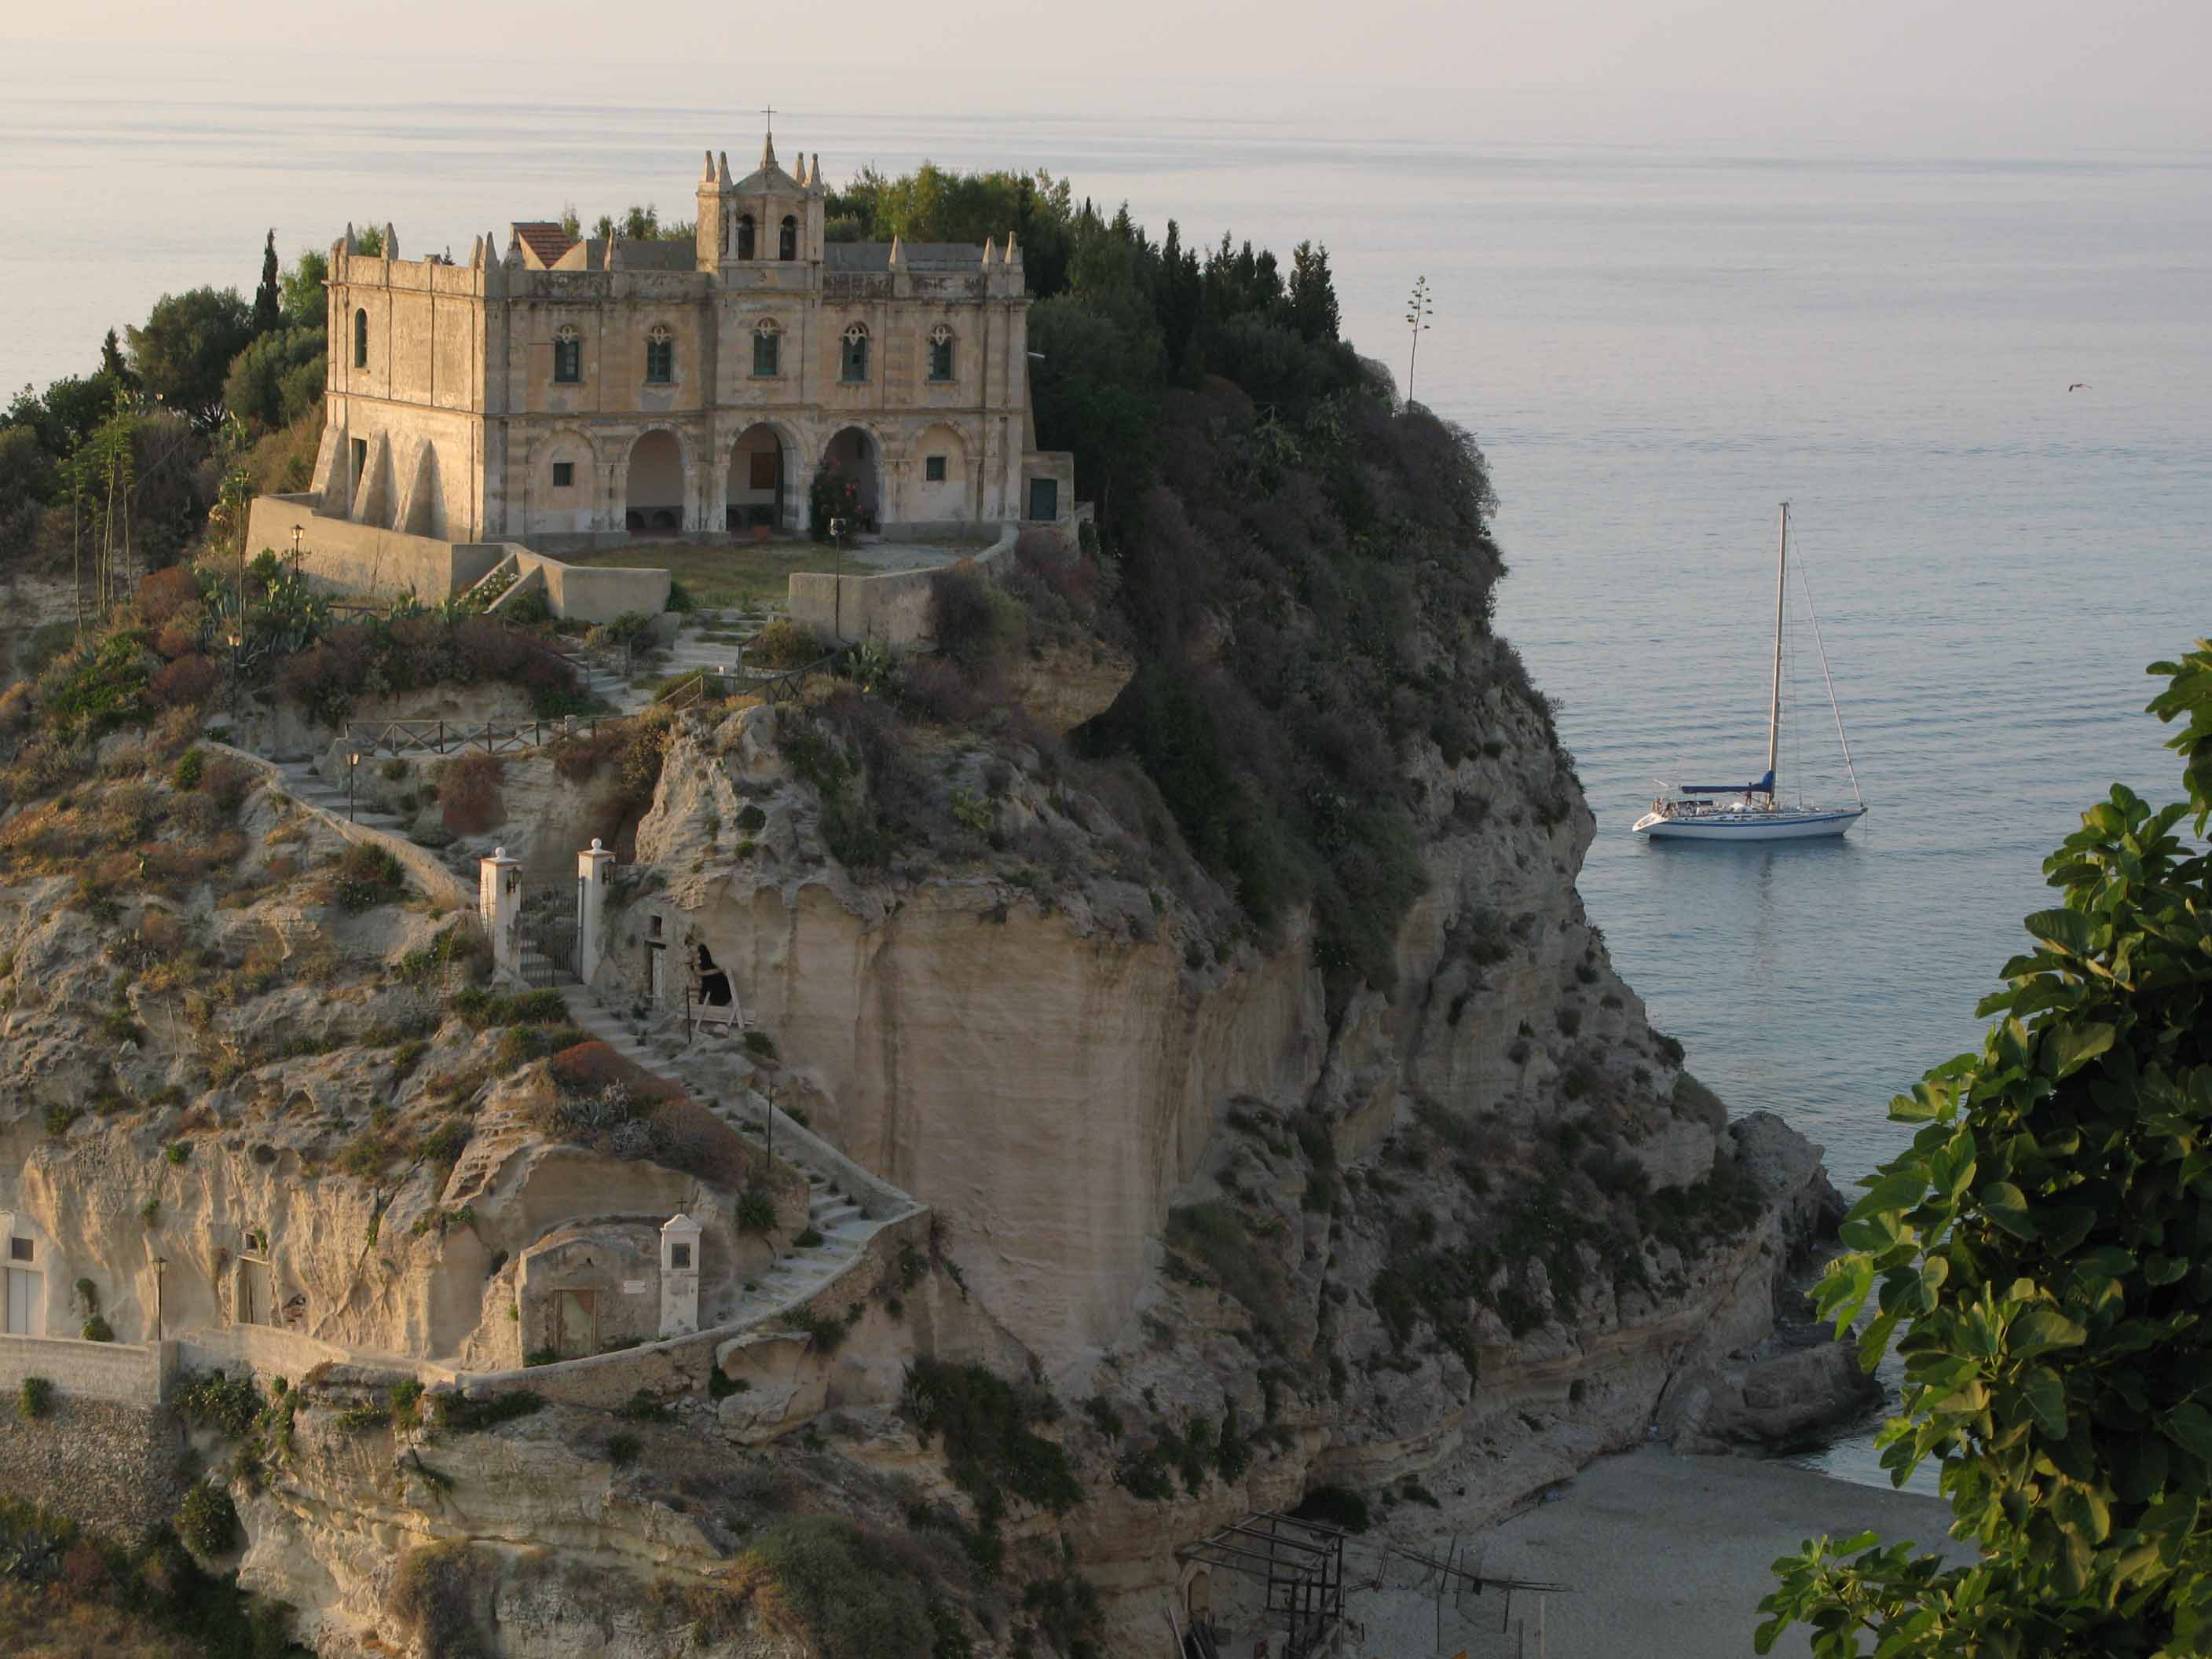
x: 2081, y: 385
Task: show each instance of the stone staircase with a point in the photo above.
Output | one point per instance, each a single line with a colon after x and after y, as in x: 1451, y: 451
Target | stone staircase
x: 844, y: 1225
x: 705, y: 639
x: 303, y: 782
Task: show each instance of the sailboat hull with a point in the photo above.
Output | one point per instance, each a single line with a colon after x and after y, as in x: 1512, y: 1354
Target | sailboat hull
x: 1729, y: 828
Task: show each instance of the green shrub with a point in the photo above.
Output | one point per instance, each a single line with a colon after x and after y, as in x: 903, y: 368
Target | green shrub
x: 97, y: 1329
x: 189, y: 764
x: 368, y: 875
x: 215, y: 1399
x: 441, y: 1592
x: 760, y: 1045
x: 58, y: 1119
x: 644, y: 1407
x: 623, y: 1449
x: 858, y: 1600
x: 36, y: 1397
x: 207, y: 1521
x: 1216, y: 1234
x: 463, y: 1416
x: 178, y: 1152
x: 807, y: 1238
x: 756, y: 1211
x: 824, y: 1334
x: 990, y: 1444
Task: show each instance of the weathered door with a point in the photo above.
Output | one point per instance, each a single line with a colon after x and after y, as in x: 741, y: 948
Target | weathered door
x: 1044, y: 498
x: 22, y: 1301
x: 575, y: 1324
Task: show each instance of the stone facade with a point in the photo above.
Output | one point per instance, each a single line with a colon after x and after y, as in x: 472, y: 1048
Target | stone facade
x: 575, y: 393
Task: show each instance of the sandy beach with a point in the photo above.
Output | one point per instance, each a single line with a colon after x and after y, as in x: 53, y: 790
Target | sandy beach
x: 1667, y: 1558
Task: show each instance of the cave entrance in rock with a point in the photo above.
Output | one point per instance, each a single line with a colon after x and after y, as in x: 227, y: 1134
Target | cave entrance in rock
x: 714, y: 984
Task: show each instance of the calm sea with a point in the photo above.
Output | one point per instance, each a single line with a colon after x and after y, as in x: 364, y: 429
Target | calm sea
x: 1654, y: 345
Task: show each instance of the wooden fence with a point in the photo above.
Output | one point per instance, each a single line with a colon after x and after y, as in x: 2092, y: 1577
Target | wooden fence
x: 451, y: 737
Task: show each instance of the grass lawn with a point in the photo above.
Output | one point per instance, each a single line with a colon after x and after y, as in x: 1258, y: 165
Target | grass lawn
x: 744, y: 573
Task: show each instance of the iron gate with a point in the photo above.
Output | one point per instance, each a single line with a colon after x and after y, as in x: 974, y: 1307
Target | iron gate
x: 549, y: 927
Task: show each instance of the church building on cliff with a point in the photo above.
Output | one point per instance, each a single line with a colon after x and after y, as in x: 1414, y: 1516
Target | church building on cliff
x: 570, y: 393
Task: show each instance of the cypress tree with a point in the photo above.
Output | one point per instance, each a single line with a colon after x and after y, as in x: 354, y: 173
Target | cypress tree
x: 268, y: 303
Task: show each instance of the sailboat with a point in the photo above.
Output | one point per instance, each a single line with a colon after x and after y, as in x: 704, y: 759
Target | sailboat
x: 1730, y: 812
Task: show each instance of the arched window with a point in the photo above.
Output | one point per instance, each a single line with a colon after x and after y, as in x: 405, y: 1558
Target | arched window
x: 787, y: 239
x: 744, y: 236
x: 768, y: 343
x: 660, y: 354
x: 855, y: 366
x: 361, y: 339
x: 568, y: 355
x: 940, y: 353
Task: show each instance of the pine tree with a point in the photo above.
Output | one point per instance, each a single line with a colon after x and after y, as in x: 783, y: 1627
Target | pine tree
x: 1313, y: 294
x: 110, y: 361
x: 268, y: 303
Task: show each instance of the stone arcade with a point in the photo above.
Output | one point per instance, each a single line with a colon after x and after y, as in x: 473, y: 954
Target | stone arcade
x: 576, y: 392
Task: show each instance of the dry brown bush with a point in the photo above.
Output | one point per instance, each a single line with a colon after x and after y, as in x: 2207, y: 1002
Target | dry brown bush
x: 468, y: 793
x: 188, y: 682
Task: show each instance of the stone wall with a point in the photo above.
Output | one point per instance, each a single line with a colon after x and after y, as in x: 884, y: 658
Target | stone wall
x: 891, y: 609
x: 360, y: 560
x: 104, y: 1453
x: 109, y: 1466
x: 127, y: 1373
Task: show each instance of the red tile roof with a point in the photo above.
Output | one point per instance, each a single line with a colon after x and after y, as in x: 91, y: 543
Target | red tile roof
x: 546, y: 240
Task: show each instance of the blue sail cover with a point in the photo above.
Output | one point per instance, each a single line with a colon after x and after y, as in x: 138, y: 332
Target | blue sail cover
x: 1764, y: 786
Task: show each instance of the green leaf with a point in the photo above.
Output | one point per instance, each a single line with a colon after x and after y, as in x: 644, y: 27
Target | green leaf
x: 1900, y: 1191
x: 2041, y: 1329
x: 2067, y: 931
x: 2007, y: 1207
x: 2046, y: 1398
x: 2189, y: 1426
x: 2068, y: 1048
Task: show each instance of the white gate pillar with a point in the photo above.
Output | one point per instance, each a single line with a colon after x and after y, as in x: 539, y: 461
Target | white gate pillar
x: 498, y: 902
x: 594, y: 867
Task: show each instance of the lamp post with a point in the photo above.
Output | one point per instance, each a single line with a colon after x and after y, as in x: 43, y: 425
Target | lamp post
x: 160, y: 1262
x: 353, y: 760
x: 837, y: 605
x: 237, y: 670
x: 296, y: 556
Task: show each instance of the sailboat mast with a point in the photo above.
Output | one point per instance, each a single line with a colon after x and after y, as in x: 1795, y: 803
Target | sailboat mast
x: 1774, y: 702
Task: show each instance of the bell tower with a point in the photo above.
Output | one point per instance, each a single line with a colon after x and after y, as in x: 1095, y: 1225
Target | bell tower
x: 717, y: 234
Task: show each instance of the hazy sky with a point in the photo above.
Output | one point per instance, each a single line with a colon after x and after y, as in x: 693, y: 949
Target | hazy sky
x: 2066, y: 73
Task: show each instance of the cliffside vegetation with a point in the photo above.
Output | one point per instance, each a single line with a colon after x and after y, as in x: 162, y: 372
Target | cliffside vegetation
x: 2040, y: 1254
x: 1302, y: 567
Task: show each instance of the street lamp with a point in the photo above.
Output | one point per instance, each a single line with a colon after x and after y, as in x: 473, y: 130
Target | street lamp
x: 160, y: 1262
x: 296, y: 530
x: 353, y: 760
x: 236, y: 640
x: 837, y: 605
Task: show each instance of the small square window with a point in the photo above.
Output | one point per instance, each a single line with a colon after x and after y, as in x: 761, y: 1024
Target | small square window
x: 679, y: 1256
x: 19, y: 1249
x: 564, y: 474
x: 932, y: 469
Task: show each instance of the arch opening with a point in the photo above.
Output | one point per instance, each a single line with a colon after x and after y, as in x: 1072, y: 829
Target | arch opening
x: 653, y: 495
x: 853, y: 487
x: 757, y: 495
